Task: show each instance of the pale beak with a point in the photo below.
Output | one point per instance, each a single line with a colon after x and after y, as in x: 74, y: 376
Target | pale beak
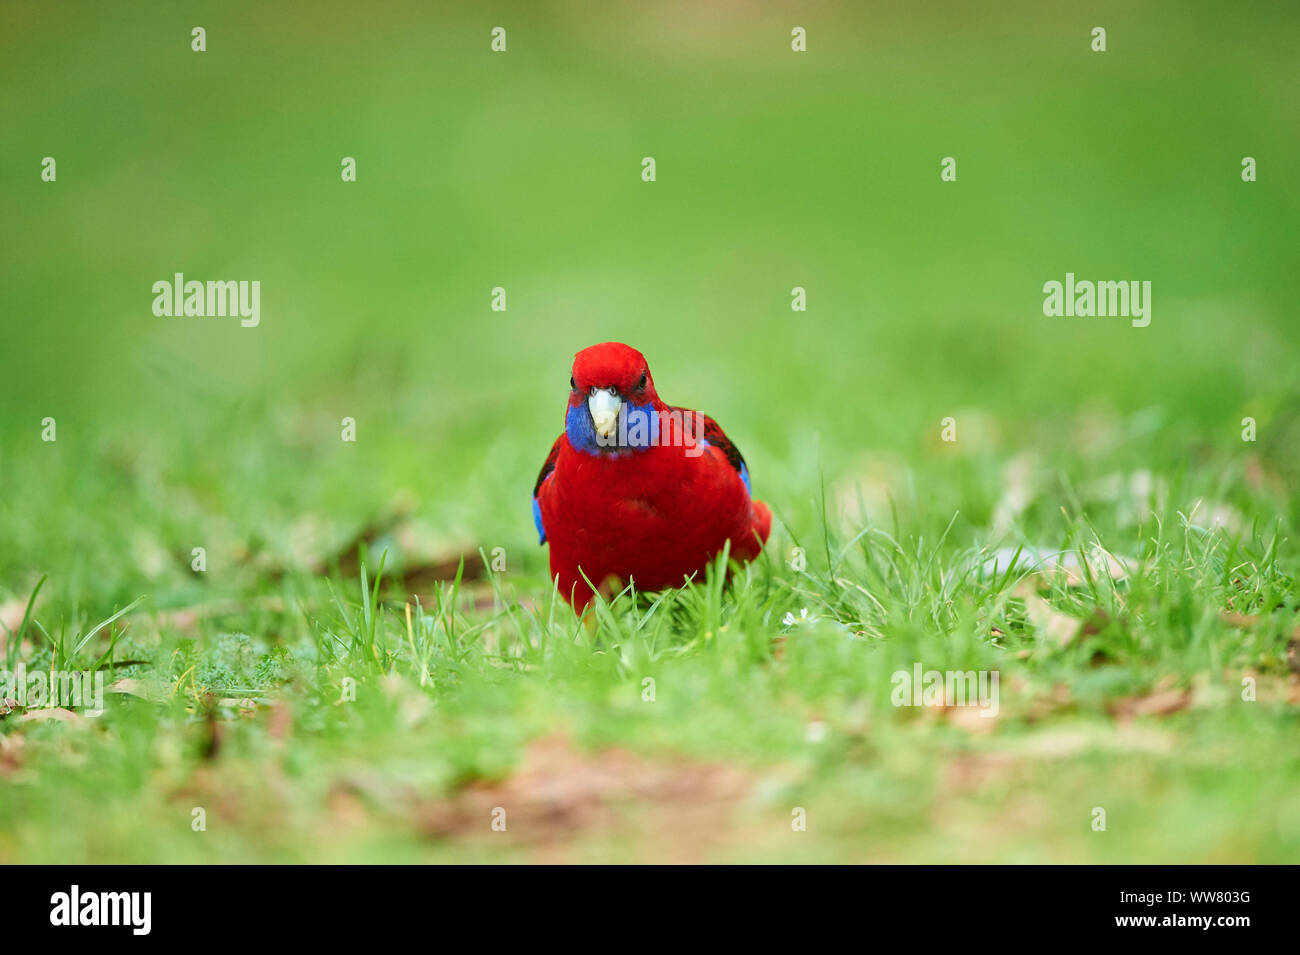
x: 604, y: 404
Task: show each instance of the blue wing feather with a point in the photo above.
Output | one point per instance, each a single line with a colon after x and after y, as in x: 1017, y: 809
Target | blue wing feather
x: 547, y: 468
x: 714, y: 436
x: 537, y: 519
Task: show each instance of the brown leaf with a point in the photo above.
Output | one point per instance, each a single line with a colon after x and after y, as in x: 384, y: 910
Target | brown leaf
x: 1158, y: 703
x: 412, y: 576
x: 971, y: 719
x: 416, y: 577
x: 1050, y: 704
x: 1044, y: 567
x: 11, y: 615
x: 1239, y: 620
x: 1060, y: 628
x: 559, y: 790
x: 1049, y: 622
x: 11, y: 753
x: 155, y: 691
x: 280, y: 722
x: 50, y: 713
x: 214, y: 734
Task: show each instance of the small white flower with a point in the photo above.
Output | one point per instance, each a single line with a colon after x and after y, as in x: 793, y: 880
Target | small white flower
x: 816, y: 731
x: 790, y: 619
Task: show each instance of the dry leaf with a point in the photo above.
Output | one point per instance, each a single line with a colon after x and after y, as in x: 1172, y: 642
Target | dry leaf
x: 280, y: 722
x: 558, y: 790
x: 11, y: 615
x: 11, y: 753
x: 972, y: 719
x: 1017, y: 494
x: 1159, y: 703
x: 1049, y: 622
x: 1058, y: 567
x: 1061, y: 628
x: 155, y: 691
x: 1239, y: 620
x: 50, y: 713
x: 1050, y: 704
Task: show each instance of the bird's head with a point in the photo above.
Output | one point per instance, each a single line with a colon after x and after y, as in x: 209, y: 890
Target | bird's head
x: 613, y: 404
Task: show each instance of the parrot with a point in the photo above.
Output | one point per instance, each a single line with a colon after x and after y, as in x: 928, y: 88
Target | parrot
x: 637, y: 491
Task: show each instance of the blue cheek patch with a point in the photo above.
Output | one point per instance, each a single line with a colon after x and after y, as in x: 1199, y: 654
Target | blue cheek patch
x: 580, y: 430
x: 537, y: 519
x: 642, y: 426
x: 638, y: 427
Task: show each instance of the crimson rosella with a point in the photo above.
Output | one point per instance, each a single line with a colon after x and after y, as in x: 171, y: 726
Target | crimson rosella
x: 636, y: 490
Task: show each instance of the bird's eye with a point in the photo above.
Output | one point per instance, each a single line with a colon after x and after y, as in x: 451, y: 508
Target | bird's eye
x: 573, y: 385
x: 640, y: 385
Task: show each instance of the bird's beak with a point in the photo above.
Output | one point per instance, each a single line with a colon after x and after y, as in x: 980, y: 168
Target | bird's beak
x: 604, y: 404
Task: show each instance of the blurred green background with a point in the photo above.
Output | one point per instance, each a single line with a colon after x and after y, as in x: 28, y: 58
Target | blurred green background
x: 522, y: 170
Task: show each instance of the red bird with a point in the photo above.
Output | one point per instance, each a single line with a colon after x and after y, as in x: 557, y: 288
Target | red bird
x: 637, y: 490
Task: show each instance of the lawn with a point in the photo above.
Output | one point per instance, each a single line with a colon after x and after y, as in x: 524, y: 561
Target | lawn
x: 347, y: 650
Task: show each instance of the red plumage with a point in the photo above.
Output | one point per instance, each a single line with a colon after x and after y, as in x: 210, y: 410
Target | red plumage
x: 654, y: 510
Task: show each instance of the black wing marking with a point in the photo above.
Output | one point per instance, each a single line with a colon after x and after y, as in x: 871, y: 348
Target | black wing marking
x: 547, y: 468
x: 713, y: 433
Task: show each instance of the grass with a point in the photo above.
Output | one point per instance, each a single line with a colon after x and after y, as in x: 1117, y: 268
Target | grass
x: 349, y: 679
x: 346, y: 720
